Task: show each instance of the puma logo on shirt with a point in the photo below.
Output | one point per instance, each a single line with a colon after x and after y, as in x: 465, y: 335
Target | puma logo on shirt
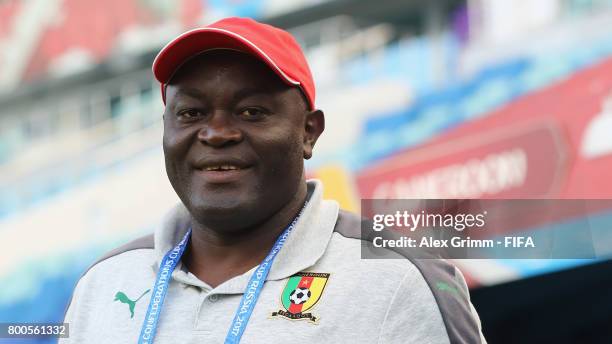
x: 121, y: 297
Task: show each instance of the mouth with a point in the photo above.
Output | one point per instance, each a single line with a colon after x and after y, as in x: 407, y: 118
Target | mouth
x: 221, y: 168
x: 221, y: 172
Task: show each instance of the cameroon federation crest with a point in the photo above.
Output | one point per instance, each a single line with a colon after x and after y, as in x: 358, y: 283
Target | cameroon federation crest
x: 302, y: 292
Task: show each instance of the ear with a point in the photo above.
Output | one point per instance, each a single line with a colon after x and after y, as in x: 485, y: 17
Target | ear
x: 313, y: 127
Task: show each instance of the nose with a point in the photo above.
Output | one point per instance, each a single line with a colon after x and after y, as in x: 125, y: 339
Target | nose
x: 219, y: 131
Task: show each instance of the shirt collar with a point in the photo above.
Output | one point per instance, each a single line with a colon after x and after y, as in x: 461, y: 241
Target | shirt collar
x: 304, y: 247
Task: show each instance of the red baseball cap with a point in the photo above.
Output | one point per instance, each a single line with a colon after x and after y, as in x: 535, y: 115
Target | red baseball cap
x: 276, y: 47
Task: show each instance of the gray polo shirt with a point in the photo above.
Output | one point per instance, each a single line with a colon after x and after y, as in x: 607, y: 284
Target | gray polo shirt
x: 318, y: 290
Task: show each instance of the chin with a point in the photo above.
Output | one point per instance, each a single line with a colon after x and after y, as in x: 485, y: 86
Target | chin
x: 227, y: 214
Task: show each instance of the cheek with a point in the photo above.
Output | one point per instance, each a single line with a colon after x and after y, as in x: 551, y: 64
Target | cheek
x: 175, y: 138
x: 286, y: 153
x: 178, y: 140
x: 175, y: 145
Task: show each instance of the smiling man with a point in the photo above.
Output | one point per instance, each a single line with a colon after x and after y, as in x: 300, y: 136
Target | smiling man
x: 253, y: 253
x: 235, y: 137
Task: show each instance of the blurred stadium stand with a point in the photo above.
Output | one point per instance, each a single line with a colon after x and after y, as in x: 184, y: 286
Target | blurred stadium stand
x: 81, y: 166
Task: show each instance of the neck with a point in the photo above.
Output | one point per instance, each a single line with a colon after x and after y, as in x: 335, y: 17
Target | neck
x: 215, y: 256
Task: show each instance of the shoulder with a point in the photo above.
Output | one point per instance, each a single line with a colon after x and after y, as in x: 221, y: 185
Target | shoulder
x: 143, y: 243
x: 131, y: 259
x: 127, y: 263
x: 441, y: 278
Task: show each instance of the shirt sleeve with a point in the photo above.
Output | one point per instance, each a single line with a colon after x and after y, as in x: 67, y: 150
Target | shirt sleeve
x: 76, y: 313
x: 432, y: 307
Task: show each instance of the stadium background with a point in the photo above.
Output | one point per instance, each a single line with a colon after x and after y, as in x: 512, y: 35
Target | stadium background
x: 424, y: 99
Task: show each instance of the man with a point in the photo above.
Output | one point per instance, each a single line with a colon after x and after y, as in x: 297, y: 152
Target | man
x: 252, y: 253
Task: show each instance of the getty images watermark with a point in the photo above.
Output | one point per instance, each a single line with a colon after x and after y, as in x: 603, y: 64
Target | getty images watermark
x: 459, y: 222
x: 487, y: 229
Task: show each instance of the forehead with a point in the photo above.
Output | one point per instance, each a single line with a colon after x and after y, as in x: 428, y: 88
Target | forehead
x: 221, y: 67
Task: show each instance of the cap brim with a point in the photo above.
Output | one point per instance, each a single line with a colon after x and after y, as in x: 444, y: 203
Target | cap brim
x: 197, y: 41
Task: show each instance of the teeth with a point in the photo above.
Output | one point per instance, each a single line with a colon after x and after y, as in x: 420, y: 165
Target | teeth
x: 221, y: 168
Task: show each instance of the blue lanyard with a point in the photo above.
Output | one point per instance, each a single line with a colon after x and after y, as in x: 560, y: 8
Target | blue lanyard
x: 247, y: 303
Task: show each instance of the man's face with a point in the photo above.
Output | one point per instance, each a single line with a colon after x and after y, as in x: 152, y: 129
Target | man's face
x: 235, y: 137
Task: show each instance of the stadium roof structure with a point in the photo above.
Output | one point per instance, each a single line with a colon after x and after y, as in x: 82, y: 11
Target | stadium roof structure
x: 420, y: 16
x: 417, y: 12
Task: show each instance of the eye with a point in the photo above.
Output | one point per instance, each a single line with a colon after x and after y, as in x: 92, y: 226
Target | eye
x: 252, y: 113
x: 190, y: 113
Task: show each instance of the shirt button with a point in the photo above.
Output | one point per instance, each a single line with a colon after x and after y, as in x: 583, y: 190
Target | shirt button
x: 214, y: 298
